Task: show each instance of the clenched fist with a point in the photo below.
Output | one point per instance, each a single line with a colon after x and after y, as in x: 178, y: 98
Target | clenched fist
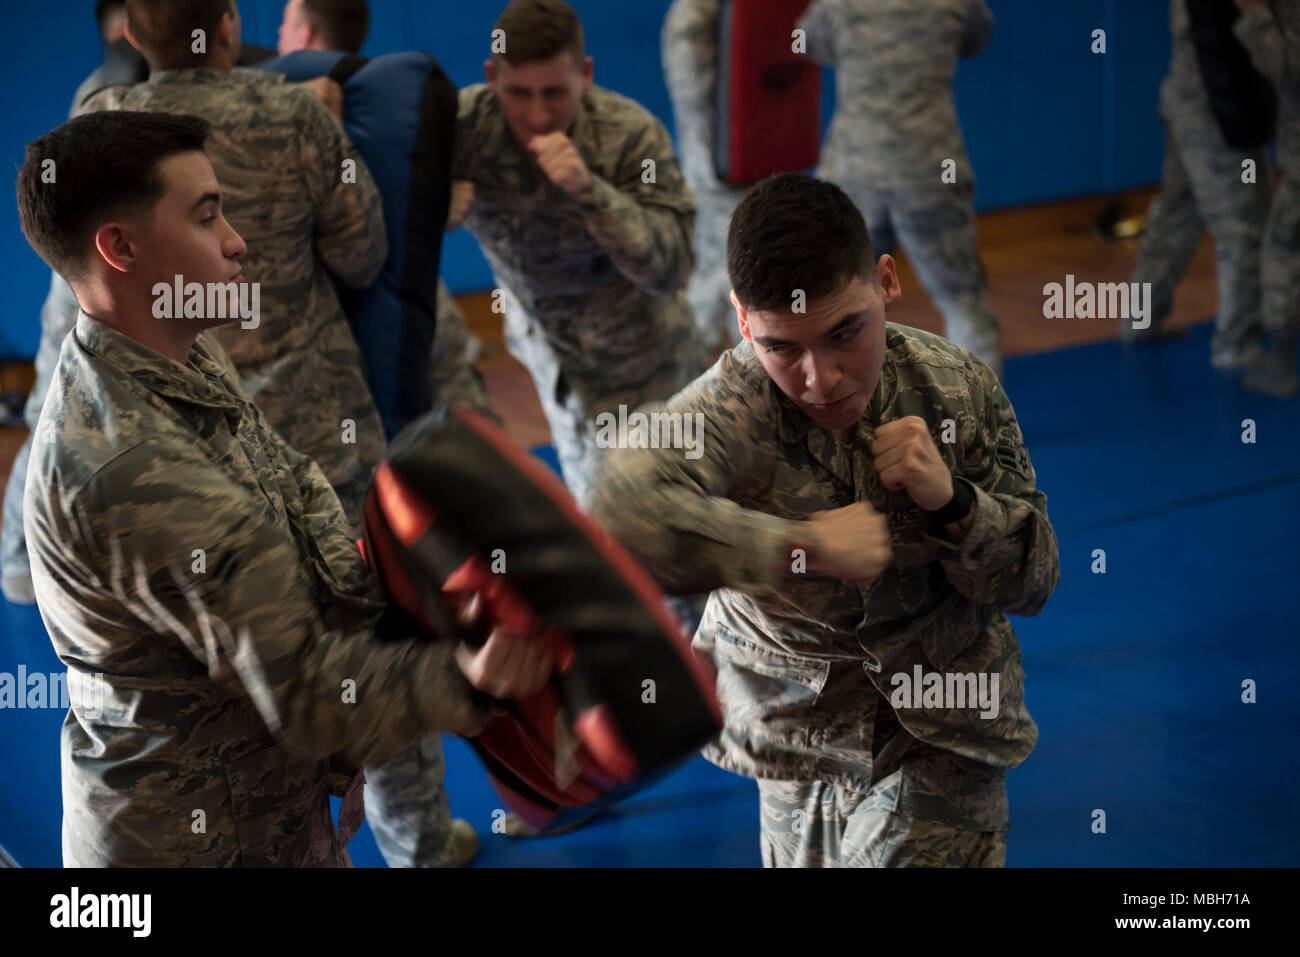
x: 462, y: 198
x: 906, y: 458
x: 850, y: 543
x: 560, y: 161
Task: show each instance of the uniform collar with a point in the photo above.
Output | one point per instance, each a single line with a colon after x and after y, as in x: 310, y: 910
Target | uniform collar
x: 200, y: 381
x: 240, y: 76
x: 189, y: 75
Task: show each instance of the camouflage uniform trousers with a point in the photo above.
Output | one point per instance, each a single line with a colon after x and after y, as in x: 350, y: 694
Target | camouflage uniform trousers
x: 709, y: 290
x: 573, y: 420
x: 455, y: 350
x: 936, y: 225
x: 1280, y: 267
x: 407, y: 807
x: 1202, y: 188
x: 910, y: 816
x: 15, y: 566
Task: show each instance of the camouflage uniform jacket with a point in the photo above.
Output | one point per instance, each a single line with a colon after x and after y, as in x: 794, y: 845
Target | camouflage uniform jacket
x: 803, y: 660
x: 223, y: 672
x: 279, y: 155
x: 597, y: 277
x: 895, y: 117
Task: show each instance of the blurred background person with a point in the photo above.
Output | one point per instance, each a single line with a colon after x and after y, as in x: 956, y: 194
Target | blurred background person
x: 591, y: 253
x: 1270, y: 32
x: 1218, y: 117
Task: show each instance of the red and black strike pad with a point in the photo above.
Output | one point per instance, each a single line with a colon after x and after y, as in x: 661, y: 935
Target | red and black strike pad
x: 769, y: 115
x: 454, y: 499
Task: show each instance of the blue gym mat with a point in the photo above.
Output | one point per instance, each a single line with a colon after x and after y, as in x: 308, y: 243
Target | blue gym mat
x: 1134, y: 676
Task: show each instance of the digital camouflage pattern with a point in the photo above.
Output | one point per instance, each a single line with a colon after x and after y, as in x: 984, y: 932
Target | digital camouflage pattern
x: 279, y: 155
x: 803, y: 660
x: 689, y: 46
x: 1201, y: 188
x: 1271, y: 34
x: 592, y: 284
x: 895, y: 126
x: 455, y: 350
x: 408, y: 810
x: 895, y: 823
x: 224, y: 673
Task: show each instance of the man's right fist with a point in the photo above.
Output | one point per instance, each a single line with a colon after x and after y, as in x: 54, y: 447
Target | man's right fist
x: 462, y: 198
x: 850, y: 543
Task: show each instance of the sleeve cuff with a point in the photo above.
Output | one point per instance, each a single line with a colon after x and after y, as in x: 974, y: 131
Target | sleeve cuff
x: 600, y: 197
x: 970, y: 550
x: 764, y: 555
x: 447, y: 698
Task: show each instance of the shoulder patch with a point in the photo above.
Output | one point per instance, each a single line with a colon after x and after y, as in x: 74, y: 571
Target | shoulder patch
x: 1012, y: 454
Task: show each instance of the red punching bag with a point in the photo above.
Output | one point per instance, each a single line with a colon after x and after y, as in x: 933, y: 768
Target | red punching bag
x: 456, y: 510
x: 769, y: 97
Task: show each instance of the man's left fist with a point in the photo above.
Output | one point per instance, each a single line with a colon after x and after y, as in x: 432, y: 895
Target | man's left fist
x: 560, y: 161
x: 905, y: 457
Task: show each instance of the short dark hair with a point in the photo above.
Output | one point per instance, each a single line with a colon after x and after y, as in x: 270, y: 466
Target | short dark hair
x: 343, y: 24
x: 791, y: 232
x: 540, y: 30
x: 105, y: 168
x: 164, y: 28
